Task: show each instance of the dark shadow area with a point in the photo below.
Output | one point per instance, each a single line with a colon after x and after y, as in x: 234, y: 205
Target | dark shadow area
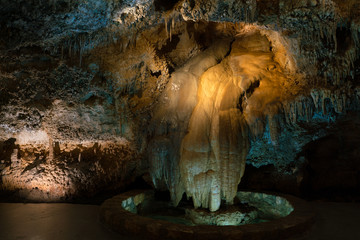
x: 169, y: 46
x: 101, y: 196
x: 330, y: 170
x: 164, y: 5
x: 268, y: 7
x: 162, y: 196
x: 39, y: 160
x: 333, y: 170
x: 344, y: 40
x: 267, y: 178
x: 6, y: 149
x: 155, y: 74
x: 192, y: 3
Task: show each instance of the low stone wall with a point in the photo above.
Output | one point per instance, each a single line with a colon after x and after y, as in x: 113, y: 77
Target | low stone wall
x: 119, y: 213
x: 269, y: 206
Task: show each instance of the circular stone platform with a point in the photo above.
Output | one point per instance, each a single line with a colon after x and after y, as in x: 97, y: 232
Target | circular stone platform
x: 293, y: 218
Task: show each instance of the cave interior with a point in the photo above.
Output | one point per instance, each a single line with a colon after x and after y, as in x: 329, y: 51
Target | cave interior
x: 195, y: 99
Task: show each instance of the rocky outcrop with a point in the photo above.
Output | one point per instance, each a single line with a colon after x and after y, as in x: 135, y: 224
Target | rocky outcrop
x: 53, y: 171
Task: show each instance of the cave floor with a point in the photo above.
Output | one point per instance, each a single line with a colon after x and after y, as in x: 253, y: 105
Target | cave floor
x: 77, y: 221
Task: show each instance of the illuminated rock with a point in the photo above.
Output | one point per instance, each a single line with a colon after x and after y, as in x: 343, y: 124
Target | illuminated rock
x: 194, y: 87
x: 230, y: 95
x: 75, y: 170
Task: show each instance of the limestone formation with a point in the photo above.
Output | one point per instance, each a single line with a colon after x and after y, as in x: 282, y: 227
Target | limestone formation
x: 186, y: 91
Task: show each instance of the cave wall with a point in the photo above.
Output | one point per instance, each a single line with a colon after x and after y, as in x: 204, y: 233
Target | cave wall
x: 95, y: 93
x: 326, y: 167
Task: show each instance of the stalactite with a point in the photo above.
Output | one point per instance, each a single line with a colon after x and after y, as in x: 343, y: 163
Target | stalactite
x: 121, y: 46
x: 355, y: 35
x: 166, y: 27
x: 321, y: 31
x: 246, y: 15
x: 70, y: 53
x: 80, y: 50
x: 273, y: 129
x: 62, y: 52
x: 170, y: 34
x: 253, y: 12
x: 334, y: 39
x: 133, y: 39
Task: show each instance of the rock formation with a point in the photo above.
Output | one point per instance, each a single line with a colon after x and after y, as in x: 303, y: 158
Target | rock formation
x: 96, y: 93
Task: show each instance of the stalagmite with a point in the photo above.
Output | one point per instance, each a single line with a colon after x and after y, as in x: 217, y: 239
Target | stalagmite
x: 51, y: 151
x: 15, y: 162
x: 179, y: 98
x: 214, y: 150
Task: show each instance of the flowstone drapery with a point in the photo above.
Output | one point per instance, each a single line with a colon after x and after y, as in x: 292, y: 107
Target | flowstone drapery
x: 202, y: 135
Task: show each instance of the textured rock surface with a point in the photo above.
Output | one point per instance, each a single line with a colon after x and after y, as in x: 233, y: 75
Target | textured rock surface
x: 186, y: 90
x: 62, y: 172
x: 233, y: 217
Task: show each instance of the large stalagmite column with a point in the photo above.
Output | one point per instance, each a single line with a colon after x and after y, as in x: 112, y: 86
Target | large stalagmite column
x: 230, y: 96
x: 171, y: 119
x: 214, y: 151
x: 209, y: 108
